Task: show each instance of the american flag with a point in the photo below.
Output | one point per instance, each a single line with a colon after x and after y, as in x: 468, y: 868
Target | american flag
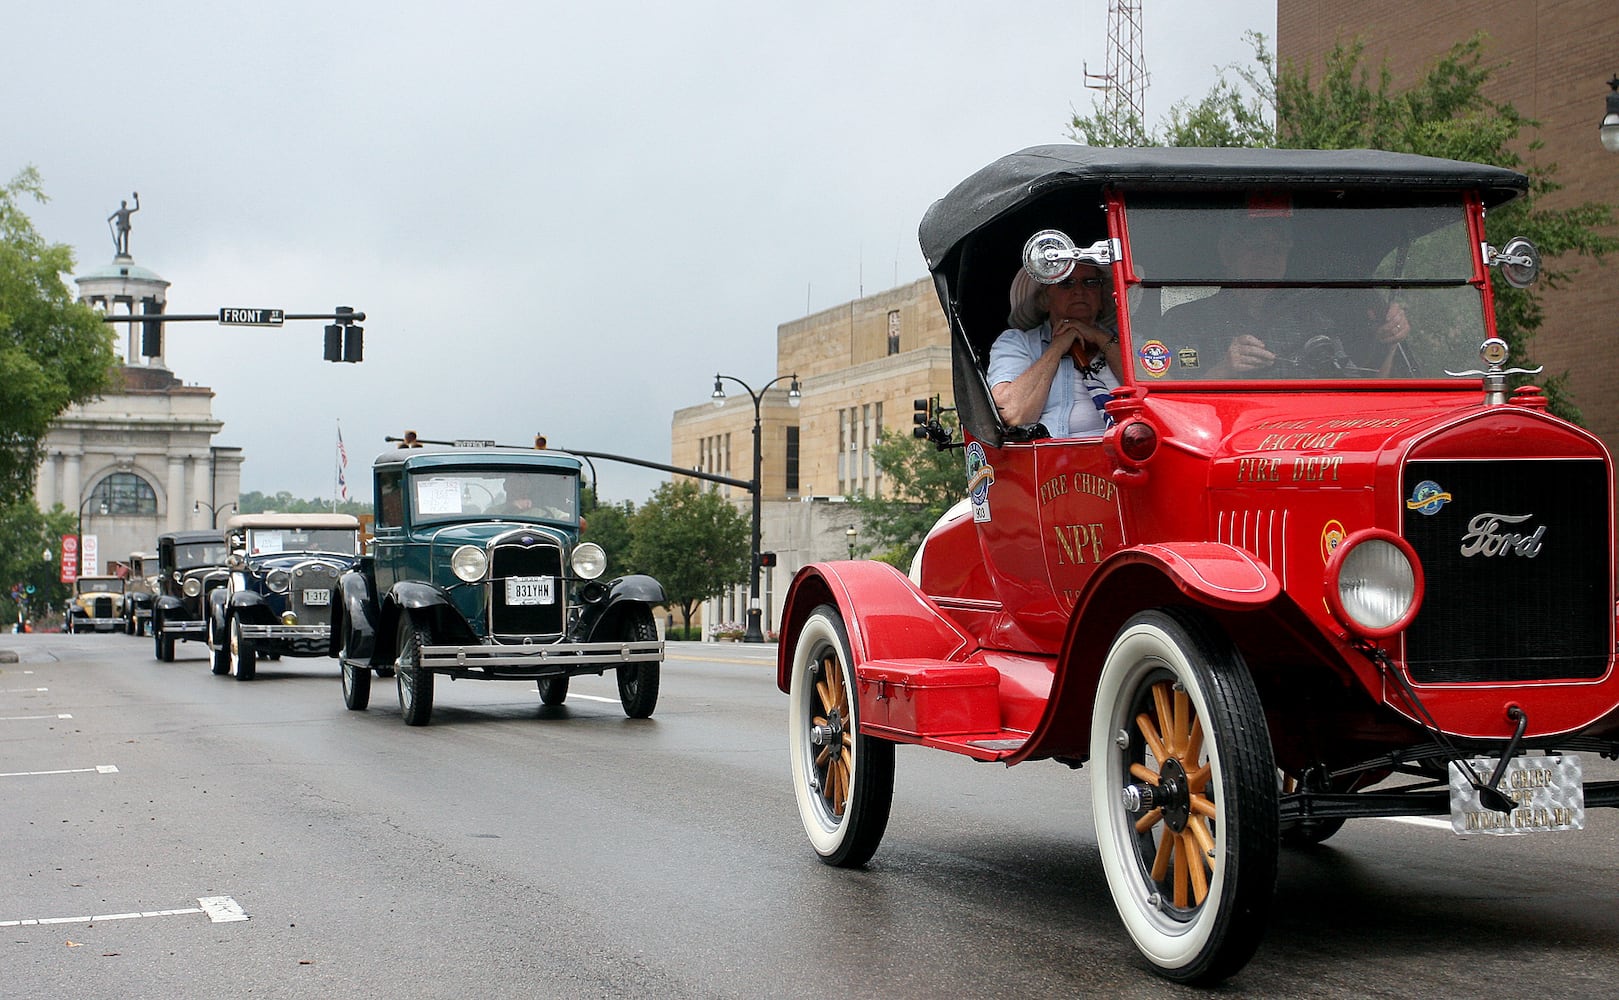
x: 342, y: 467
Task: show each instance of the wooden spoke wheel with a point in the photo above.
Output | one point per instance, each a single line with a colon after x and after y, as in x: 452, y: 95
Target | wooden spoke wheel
x: 1184, y: 796
x: 843, y: 780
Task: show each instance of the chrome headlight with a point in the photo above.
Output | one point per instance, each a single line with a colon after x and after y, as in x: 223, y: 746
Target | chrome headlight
x: 192, y: 587
x: 277, y: 581
x: 589, y: 561
x: 1374, y: 583
x: 469, y: 563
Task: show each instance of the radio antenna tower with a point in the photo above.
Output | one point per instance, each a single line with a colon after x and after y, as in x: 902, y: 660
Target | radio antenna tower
x: 1126, y: 78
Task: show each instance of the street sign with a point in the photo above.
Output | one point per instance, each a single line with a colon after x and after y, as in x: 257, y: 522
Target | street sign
x: 250, y: 317
x: 473, y: 443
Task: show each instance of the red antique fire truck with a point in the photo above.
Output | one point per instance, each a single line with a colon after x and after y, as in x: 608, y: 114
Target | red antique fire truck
x: 1354, y: 575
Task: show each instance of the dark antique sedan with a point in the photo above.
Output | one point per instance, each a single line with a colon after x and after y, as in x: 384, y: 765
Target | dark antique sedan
x: 283, y: 572
x: 190, y: 564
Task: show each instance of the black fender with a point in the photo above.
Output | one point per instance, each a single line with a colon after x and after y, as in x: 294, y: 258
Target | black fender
x: 354, y: 616
x: 622, y: 594
x: 422, y: 603
x: 167, y: 603
x: 250, y: 607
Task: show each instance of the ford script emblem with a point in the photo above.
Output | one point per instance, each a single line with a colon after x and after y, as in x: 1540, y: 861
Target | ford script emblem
x: 1427, y: 498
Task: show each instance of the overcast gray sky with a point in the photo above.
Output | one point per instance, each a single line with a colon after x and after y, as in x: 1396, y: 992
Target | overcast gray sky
x: 557, y: 217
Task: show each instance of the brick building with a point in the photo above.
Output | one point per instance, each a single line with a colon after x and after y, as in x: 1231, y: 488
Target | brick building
x: 1560, y: 53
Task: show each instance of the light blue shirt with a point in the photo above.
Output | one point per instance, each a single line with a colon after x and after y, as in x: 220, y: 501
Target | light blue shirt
x: 1074, y: 403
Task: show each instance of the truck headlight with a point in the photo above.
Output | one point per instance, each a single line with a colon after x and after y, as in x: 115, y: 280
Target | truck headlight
x: 277, y: 581
x: 1374, y: 583
x: 469, y: 563
x: 589, y: 561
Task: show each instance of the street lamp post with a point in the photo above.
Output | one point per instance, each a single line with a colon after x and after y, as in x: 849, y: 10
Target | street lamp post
x: 80, y: 529
x: 198, y: 505
x: 794, y: 394
x: 850, y: 534
x: 1608, y: 130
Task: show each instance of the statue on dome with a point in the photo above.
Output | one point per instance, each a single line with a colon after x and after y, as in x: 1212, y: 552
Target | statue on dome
x: 118, y: 222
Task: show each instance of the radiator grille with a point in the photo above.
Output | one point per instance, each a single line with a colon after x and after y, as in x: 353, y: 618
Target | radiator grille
x: 305, y: 578
x: 528, y: 620
x: 1534, y: 600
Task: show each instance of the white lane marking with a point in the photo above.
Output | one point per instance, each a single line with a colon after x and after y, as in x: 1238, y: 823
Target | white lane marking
x: 1427, y: 821
x: 22, y: 690
x: 220, y: 909
x: 597, y: 697
x: 26, y: 718
x: 98, y: 769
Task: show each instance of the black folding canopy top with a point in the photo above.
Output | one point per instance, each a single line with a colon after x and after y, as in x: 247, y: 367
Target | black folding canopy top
x: 973, y: 237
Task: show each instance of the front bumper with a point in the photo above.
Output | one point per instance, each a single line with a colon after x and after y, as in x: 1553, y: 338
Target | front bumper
x: 287, y: 632
x: 182, y: 627
x: 512, y: 662
x: 98, y: 624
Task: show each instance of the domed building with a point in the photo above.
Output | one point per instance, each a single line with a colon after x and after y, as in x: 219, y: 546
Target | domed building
x: 140, y: 460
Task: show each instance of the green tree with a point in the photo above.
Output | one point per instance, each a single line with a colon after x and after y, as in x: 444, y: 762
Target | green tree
x: 612, y: 527
x: 283, y: 502
x: 1445, y: 114
x: 26, y: 535
x: 923, y: 483
x: 54, y: 351
x: 692, y: 541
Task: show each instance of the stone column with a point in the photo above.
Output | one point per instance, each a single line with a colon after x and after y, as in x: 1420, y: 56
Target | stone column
x: 179, y: 506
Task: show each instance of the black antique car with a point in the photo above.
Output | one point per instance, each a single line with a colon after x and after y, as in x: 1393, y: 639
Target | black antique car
x: 190, y: 564
x: 283, y: 571
x: 476, y: 571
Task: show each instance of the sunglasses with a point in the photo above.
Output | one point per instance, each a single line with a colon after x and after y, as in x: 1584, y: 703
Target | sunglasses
x: 1071, y: 283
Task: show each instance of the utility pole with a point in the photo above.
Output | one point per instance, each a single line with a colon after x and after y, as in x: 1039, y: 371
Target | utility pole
x: 1126, y: 78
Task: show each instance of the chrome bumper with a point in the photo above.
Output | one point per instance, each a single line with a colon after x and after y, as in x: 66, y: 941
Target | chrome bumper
x: 541, y: 659
x: 285, y: 631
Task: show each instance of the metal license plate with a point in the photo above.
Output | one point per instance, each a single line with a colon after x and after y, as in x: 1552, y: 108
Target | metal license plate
x: 1549, y: 792
x: 529, y: 590
x: 318, y: 598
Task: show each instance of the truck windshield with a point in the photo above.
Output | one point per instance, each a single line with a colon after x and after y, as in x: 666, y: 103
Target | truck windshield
x: 515, y: 494
x: 1302, y: 286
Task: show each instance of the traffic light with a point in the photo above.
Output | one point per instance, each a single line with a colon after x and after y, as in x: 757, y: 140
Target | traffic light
x: 539, y: 442
x: 344, y: 340
x: 767, y: 560
x: 354, y: 344
x: 151, y: 329
x: 923, y: 416
x: 410, y: 440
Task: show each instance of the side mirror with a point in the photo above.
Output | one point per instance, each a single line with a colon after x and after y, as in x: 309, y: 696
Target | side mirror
x: 1050, y: 255
x: 1519, y: 261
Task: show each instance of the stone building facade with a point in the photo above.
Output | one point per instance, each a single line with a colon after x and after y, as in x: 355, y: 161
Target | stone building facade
x: 140, y: 460
x: 860, y: 365
x: 1558, y: 55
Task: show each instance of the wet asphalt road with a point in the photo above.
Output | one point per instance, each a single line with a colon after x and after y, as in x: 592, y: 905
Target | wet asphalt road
x: 515, y: 850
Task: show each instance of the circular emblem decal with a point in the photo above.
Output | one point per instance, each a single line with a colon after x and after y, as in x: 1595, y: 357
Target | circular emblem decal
x: 1427, y: 498
x: 1332, y: 536
x: 1155, y: 358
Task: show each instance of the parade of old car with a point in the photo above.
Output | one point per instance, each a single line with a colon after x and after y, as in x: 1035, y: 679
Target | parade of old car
x: 868, y: 501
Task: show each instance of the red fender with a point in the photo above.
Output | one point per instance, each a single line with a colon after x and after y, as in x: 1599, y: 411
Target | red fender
x: 1209, y: 574
x: 865, y: 590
